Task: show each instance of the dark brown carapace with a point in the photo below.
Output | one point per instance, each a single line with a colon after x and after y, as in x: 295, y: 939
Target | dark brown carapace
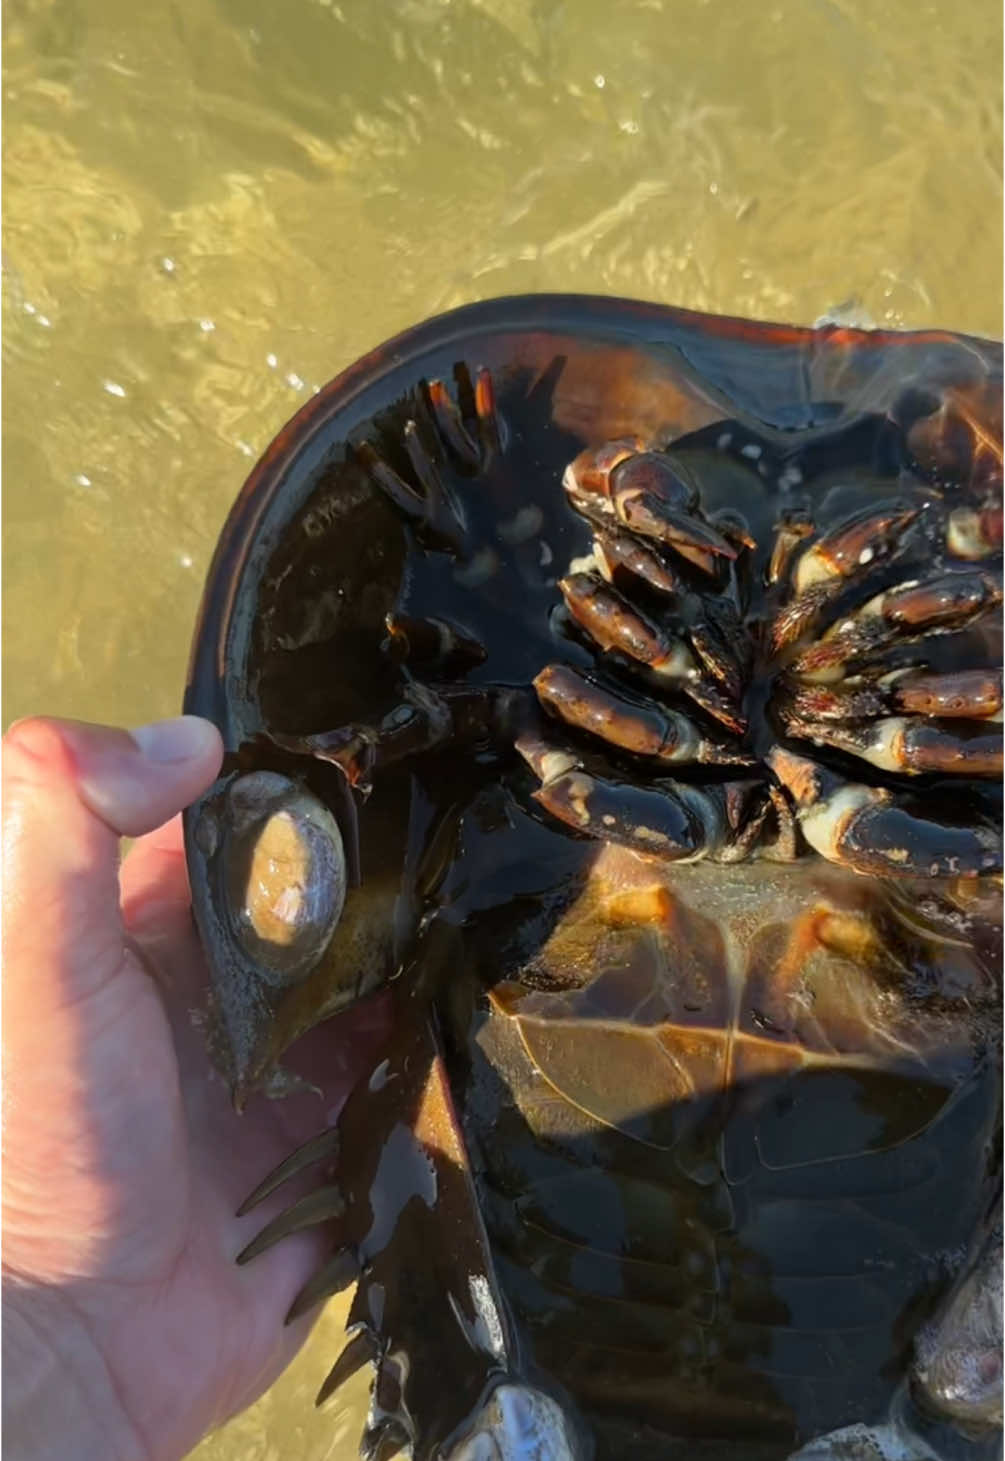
x: 623, y: 688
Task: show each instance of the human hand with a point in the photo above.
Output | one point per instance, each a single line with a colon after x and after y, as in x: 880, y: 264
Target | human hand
x: 128, y: 1330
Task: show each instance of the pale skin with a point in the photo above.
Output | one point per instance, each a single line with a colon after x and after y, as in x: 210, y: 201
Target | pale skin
x: 128, y: 1331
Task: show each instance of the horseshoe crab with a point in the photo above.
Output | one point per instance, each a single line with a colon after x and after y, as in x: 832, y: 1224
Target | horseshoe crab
x: 619, y: 688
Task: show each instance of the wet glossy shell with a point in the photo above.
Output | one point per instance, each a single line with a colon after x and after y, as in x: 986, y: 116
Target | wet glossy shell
x: 311, y: 559
x: 716, y: 1127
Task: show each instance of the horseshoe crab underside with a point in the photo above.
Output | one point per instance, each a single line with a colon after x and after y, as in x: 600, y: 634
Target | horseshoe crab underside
x: 619, y: 690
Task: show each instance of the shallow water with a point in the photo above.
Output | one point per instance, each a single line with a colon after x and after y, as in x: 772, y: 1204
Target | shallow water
x: 212, y: 208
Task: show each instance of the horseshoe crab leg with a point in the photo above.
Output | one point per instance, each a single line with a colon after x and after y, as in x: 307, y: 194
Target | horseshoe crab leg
x: 613, y: 624
x: 426, y: 719
x: 428, y: 504
x: 471, y: 442
x: 976, y: 693
x: 785, y: 847
x: 712, y: 627
x: 646, y: 513
x: 910, y: 744
x: 735, y: 528
x: 793, y: 528
x: 956, y: 694
x: 429, y: 508
x: 589, y: 474
x: 644, y: 729
x: 722, y: 654
x: 908, y: 611
x: 618, y: 555
x: 666, y: 819
x: 487, y: 411
x: 954, y: 435
x: 870, y: 830
x: 432, y: 641
x: 450, y: 425
x: 645, y: 493
x: 839, y: 557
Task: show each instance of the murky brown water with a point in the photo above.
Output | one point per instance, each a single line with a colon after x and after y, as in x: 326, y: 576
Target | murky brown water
x: 210, y: 208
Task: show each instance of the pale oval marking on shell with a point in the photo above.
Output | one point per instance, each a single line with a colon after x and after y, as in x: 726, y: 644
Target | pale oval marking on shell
x: 525, y: 525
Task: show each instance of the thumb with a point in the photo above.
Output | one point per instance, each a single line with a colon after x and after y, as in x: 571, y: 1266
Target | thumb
x: 70, y: 791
